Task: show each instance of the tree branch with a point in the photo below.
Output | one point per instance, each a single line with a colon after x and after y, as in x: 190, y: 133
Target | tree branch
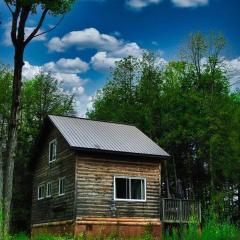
x: 35, y: 31
x: 8, y: 6
x: 51, y: 29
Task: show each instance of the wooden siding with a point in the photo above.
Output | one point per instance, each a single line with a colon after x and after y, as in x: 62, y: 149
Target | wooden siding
x: 56, y: 207
x: 94, y: 190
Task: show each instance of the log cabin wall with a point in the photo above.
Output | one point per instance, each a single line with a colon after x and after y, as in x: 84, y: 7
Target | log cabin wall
x: 54, y: 208
x: 94, y: 190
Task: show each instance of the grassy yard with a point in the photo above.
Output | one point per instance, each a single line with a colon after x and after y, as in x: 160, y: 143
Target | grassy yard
x: 210, y: 231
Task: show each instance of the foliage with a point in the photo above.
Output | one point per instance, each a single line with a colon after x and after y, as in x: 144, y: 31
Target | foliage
x: 187, y: 107
x: 55, y: 7
x: 41, y: 96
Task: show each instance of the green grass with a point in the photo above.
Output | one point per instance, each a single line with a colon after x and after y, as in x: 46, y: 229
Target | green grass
x: 210, y: 231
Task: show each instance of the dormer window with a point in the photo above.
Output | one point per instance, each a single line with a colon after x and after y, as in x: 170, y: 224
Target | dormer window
x: 53, y: 150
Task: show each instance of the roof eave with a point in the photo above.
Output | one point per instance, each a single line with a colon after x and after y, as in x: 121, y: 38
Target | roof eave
x: 94, y: 150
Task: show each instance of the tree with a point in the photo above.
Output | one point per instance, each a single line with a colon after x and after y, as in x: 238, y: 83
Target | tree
x: 20, y: 11
x: 186, y: 107
x: 41, y: 96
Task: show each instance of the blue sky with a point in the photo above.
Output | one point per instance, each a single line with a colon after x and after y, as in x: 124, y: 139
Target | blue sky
x: 96, y: 33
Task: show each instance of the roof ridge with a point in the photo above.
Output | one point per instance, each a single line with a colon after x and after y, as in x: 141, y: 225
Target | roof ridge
x: 87, y: 119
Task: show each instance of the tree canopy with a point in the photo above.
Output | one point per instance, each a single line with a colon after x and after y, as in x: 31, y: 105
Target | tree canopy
x: 41, y: 96
x: 187, y: 107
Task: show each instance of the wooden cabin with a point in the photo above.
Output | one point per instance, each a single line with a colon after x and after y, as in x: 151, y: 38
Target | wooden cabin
x: 95, y: 177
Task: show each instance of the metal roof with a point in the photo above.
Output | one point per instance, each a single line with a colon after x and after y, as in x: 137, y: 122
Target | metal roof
x: 105, y: 136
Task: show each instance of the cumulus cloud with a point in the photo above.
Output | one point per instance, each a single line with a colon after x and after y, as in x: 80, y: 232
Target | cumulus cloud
x: 139, y: 4
x: 189, y: 3
x: 83, y: 103
x: 6, y: 40
x: 103, y: 61
x: 69, y: 66
x: 66, y: 71
x: 109, y: 48
x: 232, y: 66
x: 29, y: 71
x: 87, y: 38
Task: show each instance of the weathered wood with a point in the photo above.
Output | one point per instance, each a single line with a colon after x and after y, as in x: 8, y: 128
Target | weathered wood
x: 89, y: 192
x: 94, y: 191
x: 45, y: 210
x: 180, y: 211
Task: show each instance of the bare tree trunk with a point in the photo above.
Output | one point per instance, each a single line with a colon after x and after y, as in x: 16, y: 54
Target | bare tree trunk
x: 1, y: 190
x: 167, y: 180
x: 12, y: 137
x: 211, y: 173
x: 175, y: 172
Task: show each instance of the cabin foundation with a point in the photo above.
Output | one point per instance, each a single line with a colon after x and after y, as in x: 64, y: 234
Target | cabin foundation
x: 124, y: 227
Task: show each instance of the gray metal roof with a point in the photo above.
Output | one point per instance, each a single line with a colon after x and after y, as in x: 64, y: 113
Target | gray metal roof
x: 105, y: 136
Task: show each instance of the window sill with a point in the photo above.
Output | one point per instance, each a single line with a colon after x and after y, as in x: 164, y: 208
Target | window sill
x: 130, y: 200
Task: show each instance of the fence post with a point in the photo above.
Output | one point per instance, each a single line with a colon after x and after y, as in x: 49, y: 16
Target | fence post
x: 200, y: 212
x: 180, y: 211
x: 163, y: 209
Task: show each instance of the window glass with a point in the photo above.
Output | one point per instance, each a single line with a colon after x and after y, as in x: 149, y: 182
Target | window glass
x: 49, y: 189
x: 130, y: 188
x: 61, y: 186
x: 122, y: 188
x: 52, y: 150
x: 41, y: 192
x: 137, y: 189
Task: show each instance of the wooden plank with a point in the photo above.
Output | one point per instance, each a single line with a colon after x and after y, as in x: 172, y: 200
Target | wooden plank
x: 95, y: 186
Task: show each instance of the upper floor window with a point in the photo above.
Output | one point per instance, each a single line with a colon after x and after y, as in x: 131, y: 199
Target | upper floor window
x: 129, y: 188
x: 41, y: 191
x: 49, y: 189
x: 53, y: 150
x: 61, y: 186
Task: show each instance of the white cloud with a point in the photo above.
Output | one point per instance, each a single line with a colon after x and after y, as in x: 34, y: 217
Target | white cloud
x: 127, y: 49
x: 69, y: 66
x: 139, y: 4
x: 83, y: 103
x: 64, y: 70
x: 189, y: 3
x: 232, y: 66
x: 29, y: 71
x: 109, y: 48
x: 67, y: 72
x: 87, y: 38
x: 101, y: 61
x: 28, y: 30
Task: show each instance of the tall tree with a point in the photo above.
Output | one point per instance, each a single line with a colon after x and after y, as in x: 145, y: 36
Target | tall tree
x: 20, y: 11
x: 186, y: 107
x: 41, y: 96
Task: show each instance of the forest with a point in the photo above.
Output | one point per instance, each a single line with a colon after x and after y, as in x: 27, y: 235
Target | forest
x: 187, y: 106
x: 190, y: 108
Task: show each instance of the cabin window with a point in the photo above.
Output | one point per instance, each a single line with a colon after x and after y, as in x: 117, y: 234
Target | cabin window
x: 130, y: 188
x: 49, y: 189
x: 53, y: 150
x: 41, y: 191
x: 61, y: 186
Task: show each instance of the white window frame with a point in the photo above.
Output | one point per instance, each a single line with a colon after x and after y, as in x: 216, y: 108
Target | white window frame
x: 130, y: 199
x: 59, y: 186
x: 47, y: 187
x: 44, y: 193
x: 55, y: 150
